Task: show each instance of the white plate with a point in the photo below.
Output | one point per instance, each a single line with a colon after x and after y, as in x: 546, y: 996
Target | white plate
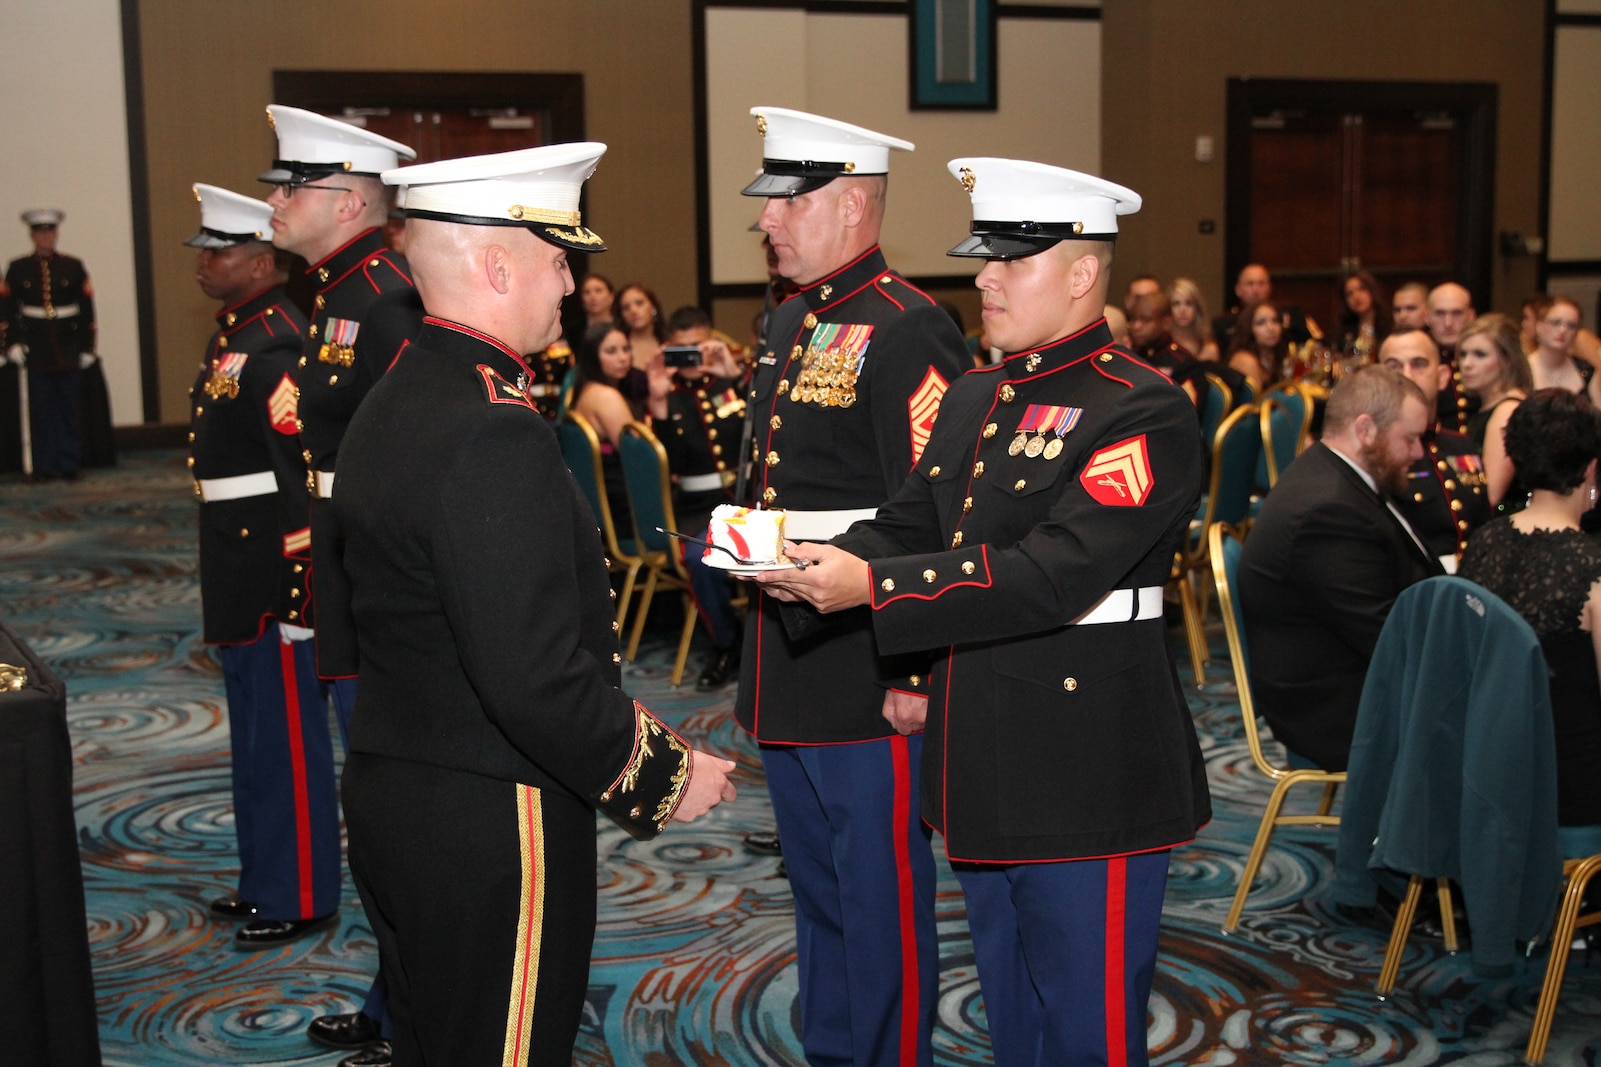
x: 744, y: 570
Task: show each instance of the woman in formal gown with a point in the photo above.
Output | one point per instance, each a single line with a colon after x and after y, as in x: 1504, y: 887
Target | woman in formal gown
x: 1258, y: 346
x: 1192, y: 327
x: 604, y: 363
x: 1549, y: 571
x: 1494, y: 369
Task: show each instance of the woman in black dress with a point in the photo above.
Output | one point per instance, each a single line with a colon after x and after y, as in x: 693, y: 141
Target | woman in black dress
x: 1493, y: 368
x: 1540, y: 563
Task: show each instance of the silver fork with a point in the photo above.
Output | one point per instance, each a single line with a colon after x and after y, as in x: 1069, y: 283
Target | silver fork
x: 801, y: 564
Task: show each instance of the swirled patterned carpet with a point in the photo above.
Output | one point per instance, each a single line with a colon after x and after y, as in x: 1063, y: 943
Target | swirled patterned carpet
x: 694, y: 955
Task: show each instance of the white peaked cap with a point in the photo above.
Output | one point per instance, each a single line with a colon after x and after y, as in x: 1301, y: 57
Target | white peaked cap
x: 801, y: 151
x: 312, y: 146
x: 537, y: 188
x: 43, y: 216
x: 228, y: 219
x: 1021, y: 207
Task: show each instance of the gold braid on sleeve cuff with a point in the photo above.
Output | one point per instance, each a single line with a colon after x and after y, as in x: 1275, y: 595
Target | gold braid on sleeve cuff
x: 645, y: 795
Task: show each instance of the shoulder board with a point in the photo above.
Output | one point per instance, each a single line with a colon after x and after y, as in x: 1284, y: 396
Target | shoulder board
x: 500, y: 391
x: 889, y: 282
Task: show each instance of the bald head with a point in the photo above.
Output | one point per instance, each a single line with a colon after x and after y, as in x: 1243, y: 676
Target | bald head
x: 1253, y: 285
x: 500, y: 280
x: 1450, y: 309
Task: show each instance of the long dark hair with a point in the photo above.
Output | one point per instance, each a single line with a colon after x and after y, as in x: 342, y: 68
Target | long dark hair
x: 588, y: 356
x: 658, y: 325
x: 1383, y: 320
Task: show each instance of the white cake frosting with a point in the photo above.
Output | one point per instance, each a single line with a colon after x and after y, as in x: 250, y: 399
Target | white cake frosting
x: 749, y: 533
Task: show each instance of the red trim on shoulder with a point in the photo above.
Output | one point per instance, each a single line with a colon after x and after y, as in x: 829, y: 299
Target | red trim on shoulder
x: 501, y: 391
x: 912, y: 287
x: 484, y: 337
x: 878, y: 284
x: 313, y: 268
x: 831, y: 275
x: 391, y: 264
x: 403, y: 346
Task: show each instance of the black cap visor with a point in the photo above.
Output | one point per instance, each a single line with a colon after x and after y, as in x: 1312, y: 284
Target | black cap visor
x: 214, y: 239
x: 1015, y: 240
x: 294, y: 172
x: 784, y: 185
x: 577, y: 238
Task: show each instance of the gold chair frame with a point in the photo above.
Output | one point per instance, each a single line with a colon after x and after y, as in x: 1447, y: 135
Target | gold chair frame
x: 617, y: 561
x: 1303, y: 437
x: 1402, y: 929
x: 662, y: 567
x: 1579, y: 873
x: 1283, y: 778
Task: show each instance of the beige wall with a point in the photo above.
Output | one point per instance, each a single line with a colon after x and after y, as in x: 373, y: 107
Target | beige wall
x: 208, y: 77
x: 1575, y: 146
x: 1165, y: 68
x: 67, y: 147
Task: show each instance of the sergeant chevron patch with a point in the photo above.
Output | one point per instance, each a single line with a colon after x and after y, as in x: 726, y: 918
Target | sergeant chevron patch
x: 1119, y: 475
x: 282, y: 406
x: 922, y: 408
x: 501, y: 391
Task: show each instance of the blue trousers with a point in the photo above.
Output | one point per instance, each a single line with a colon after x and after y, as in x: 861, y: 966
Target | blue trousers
x: 286, y: 811
x: 862, y: 872
x: 53, y: 399
x: 713, y: 591
x: 1065, y: 953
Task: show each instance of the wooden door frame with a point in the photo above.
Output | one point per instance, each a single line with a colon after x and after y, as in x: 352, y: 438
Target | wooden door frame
x: 1473, y: 104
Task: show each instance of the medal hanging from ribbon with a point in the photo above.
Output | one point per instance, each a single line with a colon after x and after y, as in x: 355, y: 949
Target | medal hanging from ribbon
x: 224, y: 379
x: 340, y: 344
x: 832, y: 364
x: 1039, y: 420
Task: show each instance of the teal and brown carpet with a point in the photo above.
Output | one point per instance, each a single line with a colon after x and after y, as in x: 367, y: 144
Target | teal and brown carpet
x: 694, y: 957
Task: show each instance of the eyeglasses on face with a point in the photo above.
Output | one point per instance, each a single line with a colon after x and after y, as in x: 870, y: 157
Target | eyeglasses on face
x: 288, y: 188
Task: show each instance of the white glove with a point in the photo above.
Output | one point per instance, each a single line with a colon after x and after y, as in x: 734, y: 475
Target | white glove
x: 17, y: 354
x: 87, y: 360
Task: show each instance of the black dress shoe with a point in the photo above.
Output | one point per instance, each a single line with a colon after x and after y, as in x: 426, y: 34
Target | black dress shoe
x: 232, y: 908
x: 351, y: 1030
x: 379, y: 1055
x: 764, y: 843
x: 265, y: 933
x: 723, y: 668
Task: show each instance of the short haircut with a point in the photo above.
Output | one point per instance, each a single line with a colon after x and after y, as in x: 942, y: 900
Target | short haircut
x: 1503, y: 335
x: 1151, y: 305
x: 1375, y: 391
x: 1412, y: 333
x: 1551, y: 438
x: 1413, y: 287
x: 688, y: 317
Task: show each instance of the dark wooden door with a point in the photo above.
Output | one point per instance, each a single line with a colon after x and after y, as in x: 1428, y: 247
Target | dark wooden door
x: 1328, y: 177
x: 451, y: 132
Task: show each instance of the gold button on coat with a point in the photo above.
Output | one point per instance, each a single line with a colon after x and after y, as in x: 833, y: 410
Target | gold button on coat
x: 1070, y: 684
x: 929, y: 576
x: 933, y: 472
x: 978, y: 469
x: 888, y: 585
x: 810, y: 321
x: 1007, y: 393
x: 1021, y: 482
x: 967, y: 567
x: 956, y: 539
x: 989, y: 431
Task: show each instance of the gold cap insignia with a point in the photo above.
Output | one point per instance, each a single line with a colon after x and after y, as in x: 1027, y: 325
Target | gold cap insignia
x: 850, y: 168
x: 272, y: 123
x: 967, y: 179
x: 761, y: 126
x: 1078, y: 227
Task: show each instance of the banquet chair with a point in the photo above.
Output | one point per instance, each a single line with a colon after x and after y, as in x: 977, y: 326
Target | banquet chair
x: 1569, y: 918
x: 650, y: 495
x: 1286, y: 422
x: 1224, y: 550
x: 1452, y: 773
x: 580, y: 450
x: 1235, y: 446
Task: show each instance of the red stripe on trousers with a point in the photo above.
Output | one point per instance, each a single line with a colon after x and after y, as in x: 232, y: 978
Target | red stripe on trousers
x: 1116, y: 919
x: 911, y: 984
x: 297, y: 767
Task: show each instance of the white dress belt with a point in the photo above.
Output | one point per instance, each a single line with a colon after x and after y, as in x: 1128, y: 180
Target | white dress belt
x: 701, y: 483
x: 1120, y: 606
x: 324, y: 483
x: 57, y: 311
x: 240, y: 485
x: 821, y: 525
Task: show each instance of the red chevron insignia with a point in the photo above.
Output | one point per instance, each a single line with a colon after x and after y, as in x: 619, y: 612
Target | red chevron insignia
x: 922, y: 407
x: 1119, y: 475
x: 282, y: 407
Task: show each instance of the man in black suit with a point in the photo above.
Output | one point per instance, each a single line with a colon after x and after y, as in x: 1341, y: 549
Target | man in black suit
x: 1327, y: 558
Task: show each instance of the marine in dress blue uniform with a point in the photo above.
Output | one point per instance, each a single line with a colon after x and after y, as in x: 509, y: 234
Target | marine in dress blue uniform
x: 364, y: 312
x: 1029, y: 548
x: 491, y: 724
x: 254, y: 552
x: 51, y: 334
x: 841, y: 404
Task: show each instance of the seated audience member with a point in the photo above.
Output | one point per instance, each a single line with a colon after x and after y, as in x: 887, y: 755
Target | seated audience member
x: 1449, y: 310
x: 1117, y: 322
x: 1493, y: 371
x: 1191, y: 327
x: 1138, y: 286
x: 1541, y: 564
x: 1254, y: 286
x: 638, y: 311
x: 1326, y: 559
x: 699, y: 412
x: 1409, y: 308
x: 1552, y: 363
x: 1366, y: 321
x: 1445, y: 499
x: 596, y: 295
x: 1149, y: 332
x: 1258, y: 346
x: 602, y: 371
x: 1533, y: 309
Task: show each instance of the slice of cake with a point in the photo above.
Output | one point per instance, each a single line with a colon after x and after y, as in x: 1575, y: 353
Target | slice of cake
x: 751, y: 534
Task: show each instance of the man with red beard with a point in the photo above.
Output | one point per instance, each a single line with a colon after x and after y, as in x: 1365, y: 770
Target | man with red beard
x: 1325, y: 561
